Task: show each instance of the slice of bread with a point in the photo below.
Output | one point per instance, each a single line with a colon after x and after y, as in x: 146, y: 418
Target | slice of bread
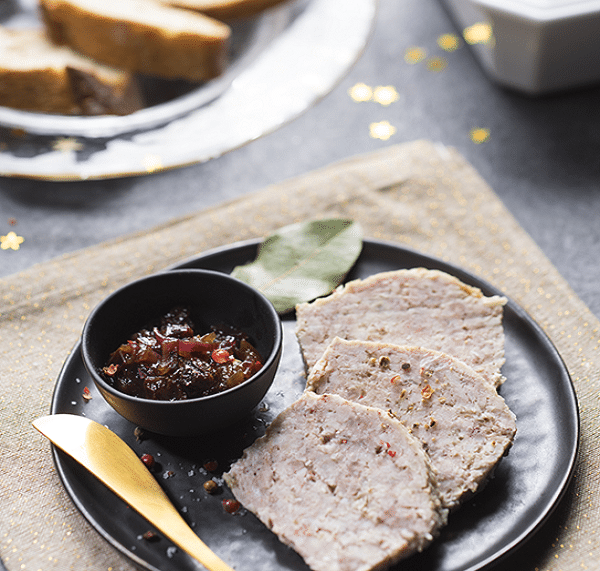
x: 464, y: 424
x: 428, y: 308
x: 141, y: 36
x: 225, y: 9
x: 36, y: 75
x: 345, y: 485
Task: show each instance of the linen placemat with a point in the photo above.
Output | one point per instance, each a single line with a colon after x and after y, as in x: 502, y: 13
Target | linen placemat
x: 420, y: 195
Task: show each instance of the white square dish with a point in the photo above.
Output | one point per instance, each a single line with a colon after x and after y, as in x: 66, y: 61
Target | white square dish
x: 533, y: 46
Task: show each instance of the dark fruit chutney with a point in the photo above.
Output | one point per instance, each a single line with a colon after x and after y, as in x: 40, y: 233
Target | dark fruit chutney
x: 170, y: 361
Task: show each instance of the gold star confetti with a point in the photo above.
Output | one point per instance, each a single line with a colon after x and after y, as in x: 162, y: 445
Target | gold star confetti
x: 479, y: 135
x: 11, y: 240
x: 152, y: 163
x: 437, y: 63
x: 382, y: 130
x: 360, y: 92
x: 414, y: 55
x: 385, y: 95
x: 449, y: 42
x: 480, y: 33
x: 67, y: 144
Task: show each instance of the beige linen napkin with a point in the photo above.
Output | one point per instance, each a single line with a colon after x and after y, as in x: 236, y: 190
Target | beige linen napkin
x: 420, y: 195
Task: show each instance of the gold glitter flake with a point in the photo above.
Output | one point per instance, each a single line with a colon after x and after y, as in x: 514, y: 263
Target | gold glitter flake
x: 382, y: 94
x: 437, y: 64
x: 360, y: 92
x: 67, y: 145
x: 382, y: 130
x: 449, y: 42
x: 11, y: 240
x: 385, y: 95
x: 414, y: 55
x: 479, y: 33
x: 479, y: 135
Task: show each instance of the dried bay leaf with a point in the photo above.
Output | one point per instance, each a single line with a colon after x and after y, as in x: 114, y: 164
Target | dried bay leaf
x: 301, y: 262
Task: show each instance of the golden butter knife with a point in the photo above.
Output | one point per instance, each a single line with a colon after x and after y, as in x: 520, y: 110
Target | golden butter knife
x: 117, y: 466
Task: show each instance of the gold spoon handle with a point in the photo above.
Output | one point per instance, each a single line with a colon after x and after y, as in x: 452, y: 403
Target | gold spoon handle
x: 117, y: 466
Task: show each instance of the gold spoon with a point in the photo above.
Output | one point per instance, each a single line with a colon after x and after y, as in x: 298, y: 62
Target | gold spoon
x: 116, y: 465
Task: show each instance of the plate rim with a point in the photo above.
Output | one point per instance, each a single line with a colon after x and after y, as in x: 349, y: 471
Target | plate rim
x: 529, y: 531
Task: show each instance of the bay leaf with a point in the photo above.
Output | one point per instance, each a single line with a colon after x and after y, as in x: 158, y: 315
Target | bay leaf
x: 301, y: 262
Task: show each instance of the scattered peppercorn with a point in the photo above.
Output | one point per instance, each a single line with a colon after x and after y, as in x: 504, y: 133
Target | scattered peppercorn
x: 211, y: 486
x: 139, y: 433
x: 231, y: 506
x: 405, y: 366
x: 150, y: 536
x: 148, y: 460
x: 211, y: 465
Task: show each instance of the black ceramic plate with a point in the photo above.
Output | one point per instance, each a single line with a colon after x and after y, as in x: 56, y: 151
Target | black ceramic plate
x: 527, y: 485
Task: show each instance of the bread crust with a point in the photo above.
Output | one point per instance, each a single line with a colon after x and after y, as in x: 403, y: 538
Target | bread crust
x: 143, y: 37
x: 225, y: 9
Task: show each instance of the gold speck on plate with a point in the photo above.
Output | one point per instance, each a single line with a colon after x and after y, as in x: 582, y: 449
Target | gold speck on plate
x: 479, y: 33
x: 479, y: 135
x: 414, y: 55
x: 11, y: 240
x: 382, y: 130
x: 360, y: 92
x: 437, y: 63
x: 385, y: 95
x: 152, y: 163
x: 448, y: 42
x: 67, y: 144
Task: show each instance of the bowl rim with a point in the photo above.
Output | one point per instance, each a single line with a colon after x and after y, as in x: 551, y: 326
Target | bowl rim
x: 268, y: 363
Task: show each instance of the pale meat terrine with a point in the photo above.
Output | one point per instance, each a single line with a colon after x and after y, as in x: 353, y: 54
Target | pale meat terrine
x: 344, y: 485
x: 465, y: 425
x: 417, y: 307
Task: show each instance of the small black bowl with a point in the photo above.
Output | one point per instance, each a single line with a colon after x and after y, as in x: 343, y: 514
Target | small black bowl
x: 213, y: 298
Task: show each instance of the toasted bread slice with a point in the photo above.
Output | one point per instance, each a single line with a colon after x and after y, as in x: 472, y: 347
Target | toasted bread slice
x: 225, y: 9
x: 36, y: 75
x: 345, y: 485
x: 141, y: 36
x: 465, y: 426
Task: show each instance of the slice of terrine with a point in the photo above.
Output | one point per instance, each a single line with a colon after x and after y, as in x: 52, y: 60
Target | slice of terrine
x: 465, y: 426
x: 344, y: 485
x: 420, y: 307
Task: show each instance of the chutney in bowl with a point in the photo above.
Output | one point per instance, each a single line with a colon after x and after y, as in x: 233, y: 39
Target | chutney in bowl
x: 183, y: 352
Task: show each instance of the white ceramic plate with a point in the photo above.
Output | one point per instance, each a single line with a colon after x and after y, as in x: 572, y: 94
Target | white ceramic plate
x: 283, y: 62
